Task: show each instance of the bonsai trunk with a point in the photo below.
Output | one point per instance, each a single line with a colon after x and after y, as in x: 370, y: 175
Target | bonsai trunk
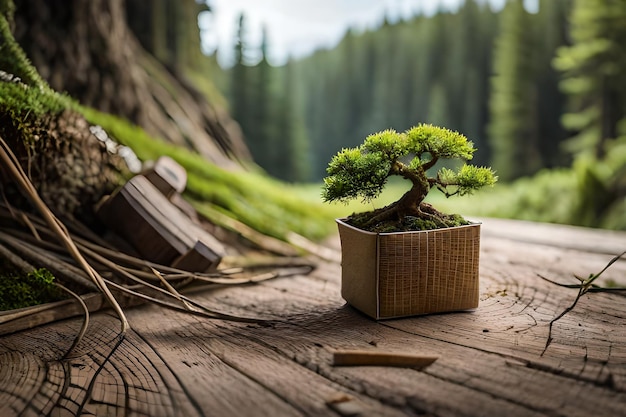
x: 411, y: 203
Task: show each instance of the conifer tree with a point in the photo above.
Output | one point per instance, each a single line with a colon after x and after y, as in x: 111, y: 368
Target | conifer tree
x: 239, y: 83
x: 551, y: 31
x: 262, y: 133
x: 478, y: 29
x: 512, y: 129
x: 594, y: 69
x: 253, y: 101
x: 362, y: 172
x: 438, y: 105
x: 291, y: 131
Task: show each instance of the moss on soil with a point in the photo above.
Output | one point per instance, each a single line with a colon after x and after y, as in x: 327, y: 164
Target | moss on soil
x: 406, y: 224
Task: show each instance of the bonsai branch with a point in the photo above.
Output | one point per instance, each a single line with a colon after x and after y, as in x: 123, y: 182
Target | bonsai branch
x: 431, y: 163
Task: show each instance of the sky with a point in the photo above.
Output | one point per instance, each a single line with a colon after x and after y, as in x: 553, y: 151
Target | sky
x: 296, y: 28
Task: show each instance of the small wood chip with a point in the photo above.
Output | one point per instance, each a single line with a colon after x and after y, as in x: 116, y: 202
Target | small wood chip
x: 347, y: 406
x: 373, y: 358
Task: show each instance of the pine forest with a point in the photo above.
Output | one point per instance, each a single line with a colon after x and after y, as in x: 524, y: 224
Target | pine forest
x: 541, y: 94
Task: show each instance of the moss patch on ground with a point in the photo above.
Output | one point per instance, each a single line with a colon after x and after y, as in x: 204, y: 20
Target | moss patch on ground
x: 267, y: 205
x: 18, y: 290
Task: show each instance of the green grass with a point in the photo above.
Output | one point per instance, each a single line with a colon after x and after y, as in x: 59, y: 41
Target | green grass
x: 276, y: 208
x: 265, y: 204
x: 548, y: 196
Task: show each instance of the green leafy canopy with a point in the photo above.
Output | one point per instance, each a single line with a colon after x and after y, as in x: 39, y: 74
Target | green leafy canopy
x: 363, y: 171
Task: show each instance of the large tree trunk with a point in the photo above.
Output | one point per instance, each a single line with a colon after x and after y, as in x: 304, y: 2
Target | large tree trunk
x: 86, y: 48
x: 70, y: 168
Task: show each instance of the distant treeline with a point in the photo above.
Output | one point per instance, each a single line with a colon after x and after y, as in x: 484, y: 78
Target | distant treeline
x: 531, y: 90
x: 486, y: 74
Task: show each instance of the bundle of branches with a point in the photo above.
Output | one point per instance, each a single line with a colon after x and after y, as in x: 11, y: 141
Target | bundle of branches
x: 86, y: 264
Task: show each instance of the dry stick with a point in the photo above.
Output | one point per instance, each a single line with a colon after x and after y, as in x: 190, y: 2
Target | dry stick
x: 104, y: 255
x: 172, y: 290
x: 27, y: 187
x: 30, y: 225
x: 207, y: 313
x: 15, y: 260
x: 249, y: 280
x: 134, y: 275
x: 225, y: 276
x: 585, y: 286
x: 36, y: 224
x: 167, y: 271
x: 190, y: 305
x: 98, y: 253
x: 26, y: 268
x: 124, y: 272
x: 375, y: 358
x: 8, y: 317
x: 85, y: 325
x: 178, y: 297
x: 172, y: 273
x: 54, y: 263
x: 12, y: 236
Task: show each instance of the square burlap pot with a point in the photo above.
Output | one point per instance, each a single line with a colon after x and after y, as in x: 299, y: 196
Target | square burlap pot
x: 388, y: 275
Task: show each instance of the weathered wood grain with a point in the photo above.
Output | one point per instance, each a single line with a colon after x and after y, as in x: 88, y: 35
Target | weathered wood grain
x: 490, y: 360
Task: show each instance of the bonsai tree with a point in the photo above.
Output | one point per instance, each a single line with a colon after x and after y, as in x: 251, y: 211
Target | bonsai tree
x: 363, y: 172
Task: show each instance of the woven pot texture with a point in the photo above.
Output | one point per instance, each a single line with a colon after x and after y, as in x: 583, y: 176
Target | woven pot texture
x: 389, y: 275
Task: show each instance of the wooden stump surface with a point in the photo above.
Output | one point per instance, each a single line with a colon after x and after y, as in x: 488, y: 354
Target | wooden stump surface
x: 490, y: 360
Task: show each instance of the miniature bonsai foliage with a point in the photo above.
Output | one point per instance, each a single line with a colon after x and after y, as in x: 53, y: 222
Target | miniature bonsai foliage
x: 362, y: 172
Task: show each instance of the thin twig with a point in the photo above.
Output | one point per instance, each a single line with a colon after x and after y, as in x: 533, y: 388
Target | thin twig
x: 85, y: 325
x: 15, y: 260
x: 206, y: 313
x: 27, y: 268
x: 30, y: 225
x: 172, y: 290
x: 585, y: 286
x: 179, y: 297
x: 55, y: 263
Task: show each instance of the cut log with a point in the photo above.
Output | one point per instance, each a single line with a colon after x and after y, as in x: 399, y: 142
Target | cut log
x: 158, y: 230
x: 167, y: 176
x: 197, y: 255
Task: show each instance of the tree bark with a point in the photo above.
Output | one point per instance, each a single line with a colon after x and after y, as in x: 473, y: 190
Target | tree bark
x: 70, y: 168
x: 87, y: 49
